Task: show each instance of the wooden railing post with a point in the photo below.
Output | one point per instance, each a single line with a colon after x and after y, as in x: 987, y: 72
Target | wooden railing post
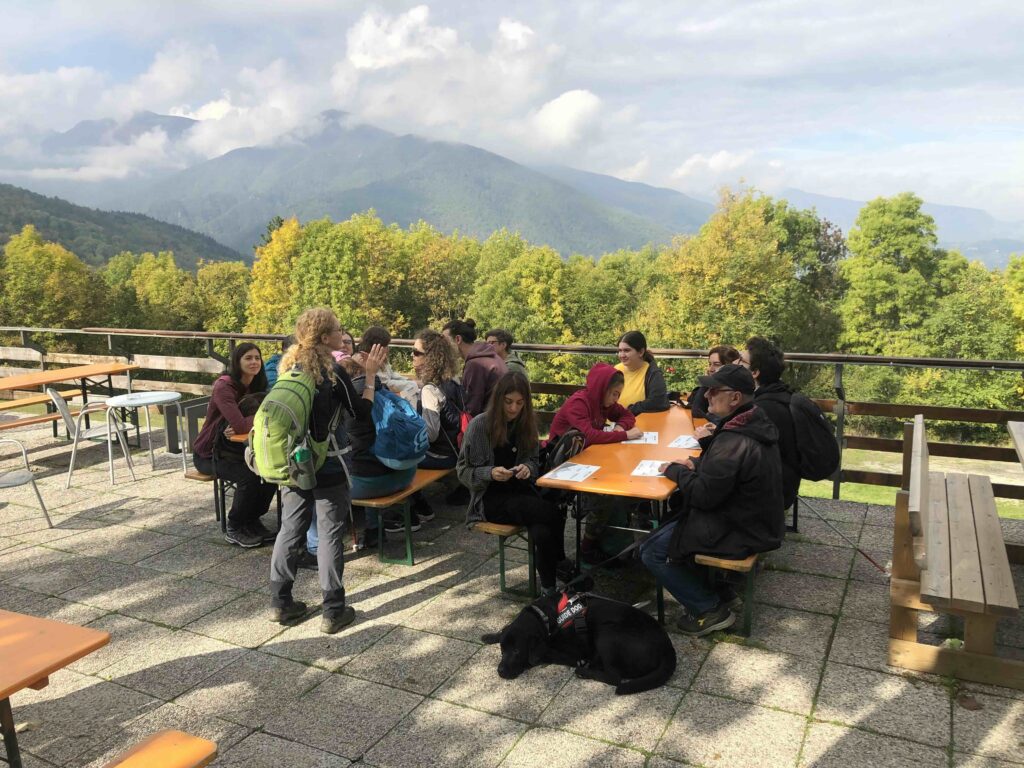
x: 840, y: 412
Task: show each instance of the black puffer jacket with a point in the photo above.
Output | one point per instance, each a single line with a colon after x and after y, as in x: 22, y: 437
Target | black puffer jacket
x: 732, y: 501
x: 774, y: 401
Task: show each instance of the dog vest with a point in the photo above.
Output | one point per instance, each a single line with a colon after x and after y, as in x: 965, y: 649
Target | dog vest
x: 570, y: 614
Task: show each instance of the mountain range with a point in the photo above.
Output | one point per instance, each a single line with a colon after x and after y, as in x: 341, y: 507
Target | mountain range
x: 344, y: 167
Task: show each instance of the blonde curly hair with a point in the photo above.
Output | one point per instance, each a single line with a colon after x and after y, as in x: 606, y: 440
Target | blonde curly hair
x: 309, y: 352
x: 440, y: 363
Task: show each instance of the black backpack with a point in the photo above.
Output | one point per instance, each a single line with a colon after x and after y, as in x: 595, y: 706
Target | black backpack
x: 815, y: 441
x: 561, y: 450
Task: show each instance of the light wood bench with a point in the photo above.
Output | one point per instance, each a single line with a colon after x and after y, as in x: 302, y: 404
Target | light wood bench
x: 748, y: 566
x: 949, y: 557
x: 168, y: 749
x: 421, y: 480
x: 21, y: 402
x: 28, y: 421
x: 514, y: 532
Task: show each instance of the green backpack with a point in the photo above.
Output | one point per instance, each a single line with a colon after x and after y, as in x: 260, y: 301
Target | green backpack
x: 281, y: 449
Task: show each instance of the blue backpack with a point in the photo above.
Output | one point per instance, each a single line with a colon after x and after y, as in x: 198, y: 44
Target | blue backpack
x: 401, y: 440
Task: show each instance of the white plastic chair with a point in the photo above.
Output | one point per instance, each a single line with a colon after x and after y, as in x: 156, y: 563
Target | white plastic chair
x: 20, y: 477
x: 112, y: 429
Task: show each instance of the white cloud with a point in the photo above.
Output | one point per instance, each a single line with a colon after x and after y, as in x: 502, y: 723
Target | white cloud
x: 377, y: 41
x: 177, y: 69
x: 635, y: 172
x: 719, y: 163
x: 38, y: 96
x: 565, y: 120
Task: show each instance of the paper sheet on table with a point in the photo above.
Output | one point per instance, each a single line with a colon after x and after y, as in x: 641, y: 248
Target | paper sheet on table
x: 685, y: 441
x: 572, y: 472
x: 648, y: 468
x: 648, y: 438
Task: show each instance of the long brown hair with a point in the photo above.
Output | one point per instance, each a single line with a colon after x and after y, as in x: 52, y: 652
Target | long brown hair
x: 525, y: 423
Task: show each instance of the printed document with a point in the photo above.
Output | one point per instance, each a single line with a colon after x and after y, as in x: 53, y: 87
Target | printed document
x: 648, y: 438
x: 685, y: 441
x: 648, y: 468
x: 572, y: 472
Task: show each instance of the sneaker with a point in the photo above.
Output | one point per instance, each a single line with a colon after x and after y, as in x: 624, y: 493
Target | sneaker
x: 296, y: 609
x: 307, y: 560
x: 330, y: 625
x: 421, y: 508
x: 709, y: 621
x: 398, y: 525
x: 243, y: 538
x: 369, y: 538
x: 257, y: 528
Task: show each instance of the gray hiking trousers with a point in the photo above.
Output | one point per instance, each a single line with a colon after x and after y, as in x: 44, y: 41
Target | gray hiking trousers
x: 331, y: 507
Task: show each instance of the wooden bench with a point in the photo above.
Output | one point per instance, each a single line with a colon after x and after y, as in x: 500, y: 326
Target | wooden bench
x: 28, y: 421
x: 748, y: 566
x: 421, y: 480
x: 168, y: 749
x: 21, y: 402
x: 949, y: 557
x: 514, y: 532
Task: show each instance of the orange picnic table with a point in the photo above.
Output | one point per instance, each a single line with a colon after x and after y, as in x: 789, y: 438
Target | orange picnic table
x: 31, y: 649
x: 616, y: 463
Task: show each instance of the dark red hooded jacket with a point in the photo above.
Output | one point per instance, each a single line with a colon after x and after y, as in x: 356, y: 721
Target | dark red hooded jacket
x: 583, y: 411
x: 482, y: 370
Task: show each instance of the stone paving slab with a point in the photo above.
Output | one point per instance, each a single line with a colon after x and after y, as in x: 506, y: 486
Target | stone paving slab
x: 408, y: 683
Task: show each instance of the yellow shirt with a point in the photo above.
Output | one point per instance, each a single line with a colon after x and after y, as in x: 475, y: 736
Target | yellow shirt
x: 634, y: 390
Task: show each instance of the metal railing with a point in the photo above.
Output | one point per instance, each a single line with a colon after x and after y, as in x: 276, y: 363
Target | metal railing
x: 215, y: 363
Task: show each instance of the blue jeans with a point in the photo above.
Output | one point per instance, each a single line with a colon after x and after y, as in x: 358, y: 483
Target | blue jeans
x: 368, y: 488
x: 685, y: 581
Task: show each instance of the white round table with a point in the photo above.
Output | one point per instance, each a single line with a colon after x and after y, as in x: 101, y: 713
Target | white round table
x: 144, y: 400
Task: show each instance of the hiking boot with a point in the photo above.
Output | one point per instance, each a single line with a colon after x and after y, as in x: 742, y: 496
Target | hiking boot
x: 243, y: 537
x: 257, y: 528
x: 296, y: 609
x: 717, y: 618
x: 398, y: 524
x: 330, y: 625
x: 369, y: 539
x: 307, y: 560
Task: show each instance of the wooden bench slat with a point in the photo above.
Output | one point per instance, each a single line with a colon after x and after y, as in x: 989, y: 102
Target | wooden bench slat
x: 936, y: 581
x: 997, y: 579
x: 919, y: 505
x: 168, y: 749
x: 1016, y: 429
x: 21, y: 402
x: 28, y: 422
x: 498, y: 529
x: 421, y: 480
x: 968, y: 592
x: 742, y: 566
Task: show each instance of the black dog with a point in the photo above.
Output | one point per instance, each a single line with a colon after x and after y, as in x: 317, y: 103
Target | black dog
x: 604, y: 639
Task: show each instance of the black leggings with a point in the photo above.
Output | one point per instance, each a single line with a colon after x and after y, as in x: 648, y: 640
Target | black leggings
x: 522, y: 506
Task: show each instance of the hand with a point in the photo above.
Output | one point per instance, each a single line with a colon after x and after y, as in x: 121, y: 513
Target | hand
x: 521, y: 472
x: 501, y: 474
x: 229, y: 431
x: 633, y: 433
x: 704, y: 430
x: 374, y: 360
x: 618, y: 428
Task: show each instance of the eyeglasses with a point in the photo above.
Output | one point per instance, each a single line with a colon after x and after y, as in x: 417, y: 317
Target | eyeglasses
x: 715, y: 390
x: 418, y: 353
x: 348, y: 342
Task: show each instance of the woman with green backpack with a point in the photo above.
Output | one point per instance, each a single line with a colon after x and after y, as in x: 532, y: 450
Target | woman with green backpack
x: 317, y: 334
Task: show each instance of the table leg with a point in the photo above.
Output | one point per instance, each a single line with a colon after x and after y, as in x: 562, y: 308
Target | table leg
x: 579, y: 532
x: 10, y: 735
x: 110, y: 443
x: 85, y: 399
x: 659, y: 591
x: 149, y: 430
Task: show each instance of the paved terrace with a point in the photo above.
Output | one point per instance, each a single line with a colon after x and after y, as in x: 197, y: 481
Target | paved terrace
x: 409, y: 684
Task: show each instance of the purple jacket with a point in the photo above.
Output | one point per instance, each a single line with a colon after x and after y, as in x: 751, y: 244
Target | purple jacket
x: 483, y: 369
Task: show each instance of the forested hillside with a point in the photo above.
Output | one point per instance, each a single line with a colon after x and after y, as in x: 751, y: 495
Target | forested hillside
x: 758, y: 266
x: 96, y: 236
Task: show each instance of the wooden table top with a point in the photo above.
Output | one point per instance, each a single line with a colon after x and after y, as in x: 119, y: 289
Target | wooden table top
x: 42, y: 378
x: 618, y: 460
x: 32, y: 648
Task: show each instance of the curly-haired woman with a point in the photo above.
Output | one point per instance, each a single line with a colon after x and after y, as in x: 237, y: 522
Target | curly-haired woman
x: 317, y: 334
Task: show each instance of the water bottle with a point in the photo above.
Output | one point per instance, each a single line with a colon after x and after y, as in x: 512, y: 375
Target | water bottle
x: 303, y: 468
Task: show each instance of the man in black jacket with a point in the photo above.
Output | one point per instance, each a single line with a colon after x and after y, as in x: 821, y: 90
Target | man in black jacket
x: 766, y: 362
x: 732, y: 502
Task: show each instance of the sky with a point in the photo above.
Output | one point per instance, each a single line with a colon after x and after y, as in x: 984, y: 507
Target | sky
x: 850, y: 99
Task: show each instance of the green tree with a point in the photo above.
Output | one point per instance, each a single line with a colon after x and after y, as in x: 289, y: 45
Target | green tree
x: 166, y: 295
x: 222, y: 292
x: 442, y: 273
x: 46, y: 285
x: 1015, y: 293
x: 122, y: 304
x: 271, y: 292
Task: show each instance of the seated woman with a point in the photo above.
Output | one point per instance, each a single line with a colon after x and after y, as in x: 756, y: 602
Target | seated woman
x: 643, y: 388
x: 499, y: 464
x: 588, y: 410
x: 718, y: 356
x: 223, y: 417
x: 440, y: 403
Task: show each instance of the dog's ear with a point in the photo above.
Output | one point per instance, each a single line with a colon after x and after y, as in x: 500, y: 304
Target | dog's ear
x: 537, y: 649
x: 491, y: 638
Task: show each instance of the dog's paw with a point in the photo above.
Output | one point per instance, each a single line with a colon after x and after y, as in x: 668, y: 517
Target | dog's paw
x: 491, y: 638
x: 585, y: 673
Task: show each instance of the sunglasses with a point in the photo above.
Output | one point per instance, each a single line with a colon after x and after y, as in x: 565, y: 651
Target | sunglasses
x: 418, y: 353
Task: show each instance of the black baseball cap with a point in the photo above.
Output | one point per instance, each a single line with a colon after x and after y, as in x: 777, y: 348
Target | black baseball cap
x: 730, y: 376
